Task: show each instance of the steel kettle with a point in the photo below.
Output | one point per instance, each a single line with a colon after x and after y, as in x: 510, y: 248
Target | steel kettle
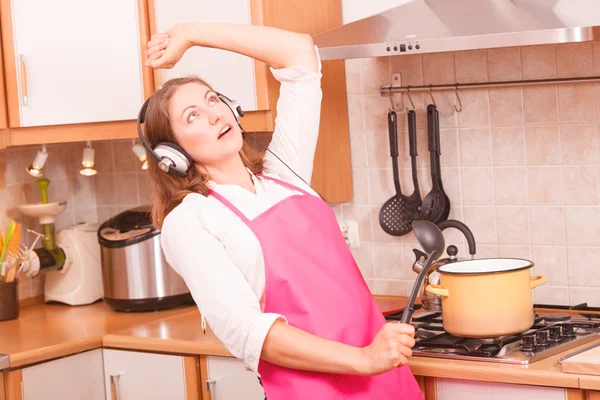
x: 432, y: 302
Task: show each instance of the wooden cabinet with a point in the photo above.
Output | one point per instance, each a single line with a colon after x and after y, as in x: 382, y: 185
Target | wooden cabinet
x: 229, y: 73
x: 457, y: 389
x: 137, y: 375
x: 71, y: 61
x: 332, y: 174
x: 226, y: 378
x: 71, y: 378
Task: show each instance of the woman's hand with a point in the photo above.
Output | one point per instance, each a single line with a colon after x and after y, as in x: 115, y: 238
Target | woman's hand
x: 390, y: 348
x: 166, y: 49
x: 275, y: 47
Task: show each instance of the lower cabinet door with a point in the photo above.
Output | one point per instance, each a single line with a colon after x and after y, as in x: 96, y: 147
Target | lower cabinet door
x: 135, y: 375
x: 457, y: 389
x: 75, y: 377
x: 228, y: 379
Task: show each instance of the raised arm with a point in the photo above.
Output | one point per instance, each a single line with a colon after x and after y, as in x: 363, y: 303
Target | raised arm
x: 275, y: 47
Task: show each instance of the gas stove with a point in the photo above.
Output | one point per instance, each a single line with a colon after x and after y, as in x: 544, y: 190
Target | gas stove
x: 551, y: 333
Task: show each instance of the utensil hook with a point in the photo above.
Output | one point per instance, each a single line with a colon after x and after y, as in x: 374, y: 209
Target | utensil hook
x: 393, y: 107
x: 431, y: 95
x: 458, y: 99
x: 410, y: 98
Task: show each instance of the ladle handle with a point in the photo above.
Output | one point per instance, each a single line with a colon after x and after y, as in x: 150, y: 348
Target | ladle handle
x: 410, y: 307
x: 407, y: 314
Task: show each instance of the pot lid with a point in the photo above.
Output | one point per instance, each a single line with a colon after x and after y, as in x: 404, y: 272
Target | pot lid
x: 485, y: 266
x: 128, y: 227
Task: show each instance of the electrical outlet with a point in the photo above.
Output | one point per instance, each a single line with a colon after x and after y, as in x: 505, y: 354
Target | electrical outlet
x: 349, y: 229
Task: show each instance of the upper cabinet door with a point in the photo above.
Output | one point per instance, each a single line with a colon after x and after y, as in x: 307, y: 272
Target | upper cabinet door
x: 228, y: 73
x: 72, y: 61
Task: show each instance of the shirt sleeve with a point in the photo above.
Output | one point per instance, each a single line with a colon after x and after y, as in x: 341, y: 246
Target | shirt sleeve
x: 297, y: 123
x: 219, y: 288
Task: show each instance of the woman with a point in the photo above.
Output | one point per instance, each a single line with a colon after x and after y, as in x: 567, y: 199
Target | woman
x: 261, y: 253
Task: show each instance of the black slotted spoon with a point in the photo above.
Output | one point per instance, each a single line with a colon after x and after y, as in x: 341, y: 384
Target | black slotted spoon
x: 395, y: 216
x: 436, y: 204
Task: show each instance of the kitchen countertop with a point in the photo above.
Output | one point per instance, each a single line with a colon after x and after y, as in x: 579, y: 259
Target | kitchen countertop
x: 47, y: 331
x: 180, y: 335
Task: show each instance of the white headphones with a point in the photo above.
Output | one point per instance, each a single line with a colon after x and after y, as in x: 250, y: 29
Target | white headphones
x: 170, y: 157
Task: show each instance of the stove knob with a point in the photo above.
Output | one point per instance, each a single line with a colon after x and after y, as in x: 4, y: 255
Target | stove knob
x: 568, y: 330
x: 542, y: 338
x: 556, y: 333
x: 528, y: 343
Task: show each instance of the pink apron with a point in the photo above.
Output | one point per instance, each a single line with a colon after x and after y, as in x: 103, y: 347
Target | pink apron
x: 312, y: 279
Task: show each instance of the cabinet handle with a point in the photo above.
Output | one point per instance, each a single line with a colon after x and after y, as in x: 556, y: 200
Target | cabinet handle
x: 210, y: 385
x: 115, y: 386
x: 23, y: 67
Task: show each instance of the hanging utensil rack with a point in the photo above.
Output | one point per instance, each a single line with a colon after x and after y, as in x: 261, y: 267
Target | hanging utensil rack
x: 391, y: 89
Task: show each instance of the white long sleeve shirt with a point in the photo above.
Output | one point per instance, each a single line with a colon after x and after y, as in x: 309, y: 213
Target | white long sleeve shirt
x: 216, y: 253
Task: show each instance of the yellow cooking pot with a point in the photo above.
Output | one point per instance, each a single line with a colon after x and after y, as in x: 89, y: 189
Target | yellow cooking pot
x: 488, y: 297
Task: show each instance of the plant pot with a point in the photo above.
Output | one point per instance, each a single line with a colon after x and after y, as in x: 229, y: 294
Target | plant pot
x: 486, y: 298
x: 9, y: 300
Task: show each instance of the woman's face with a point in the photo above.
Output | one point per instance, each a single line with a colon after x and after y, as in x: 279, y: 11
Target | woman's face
x: 204, y: 126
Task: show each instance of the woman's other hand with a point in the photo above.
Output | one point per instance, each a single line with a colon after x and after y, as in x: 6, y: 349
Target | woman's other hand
x: 390, y: 348
x: 166, y: 49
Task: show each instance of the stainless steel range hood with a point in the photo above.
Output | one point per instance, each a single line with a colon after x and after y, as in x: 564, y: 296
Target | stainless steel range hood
x: 428, y: 26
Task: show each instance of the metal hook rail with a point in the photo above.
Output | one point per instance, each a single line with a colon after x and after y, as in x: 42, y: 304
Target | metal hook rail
x: 389, y: 90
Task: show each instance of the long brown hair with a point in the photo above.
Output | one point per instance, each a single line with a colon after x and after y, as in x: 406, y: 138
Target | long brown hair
x: 169, y: 190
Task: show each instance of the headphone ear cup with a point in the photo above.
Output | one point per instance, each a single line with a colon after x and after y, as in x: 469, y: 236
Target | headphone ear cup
x: 173, y: 159
x: 233, y: 105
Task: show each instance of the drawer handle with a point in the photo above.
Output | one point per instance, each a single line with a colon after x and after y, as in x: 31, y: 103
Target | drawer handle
x: 115, y: 386
x: 23, y: 68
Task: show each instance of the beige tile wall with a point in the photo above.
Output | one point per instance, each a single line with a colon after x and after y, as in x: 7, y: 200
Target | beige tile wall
x: 520, y: 164
x: 119, y: 184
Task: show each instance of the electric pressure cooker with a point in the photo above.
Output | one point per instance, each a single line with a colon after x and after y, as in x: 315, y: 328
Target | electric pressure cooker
x: 135, y: 273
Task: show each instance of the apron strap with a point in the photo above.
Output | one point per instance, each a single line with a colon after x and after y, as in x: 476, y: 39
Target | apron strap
x: 237, y: 212
x: 229, y: 205
x: 283, y: 183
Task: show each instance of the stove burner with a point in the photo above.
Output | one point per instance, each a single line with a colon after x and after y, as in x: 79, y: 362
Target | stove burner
x: 490, y: 341
x: 558, y: 317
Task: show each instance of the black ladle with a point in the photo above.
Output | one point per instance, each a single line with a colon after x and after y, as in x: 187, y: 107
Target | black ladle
x: 431, y: 239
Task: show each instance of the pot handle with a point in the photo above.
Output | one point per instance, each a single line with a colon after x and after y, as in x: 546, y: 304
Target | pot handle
x: 437, y: 289
x: 537, y: 281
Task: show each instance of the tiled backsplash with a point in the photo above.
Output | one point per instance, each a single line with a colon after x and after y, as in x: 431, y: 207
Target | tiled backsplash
x: 120, y: 184
x: 520, y: 164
